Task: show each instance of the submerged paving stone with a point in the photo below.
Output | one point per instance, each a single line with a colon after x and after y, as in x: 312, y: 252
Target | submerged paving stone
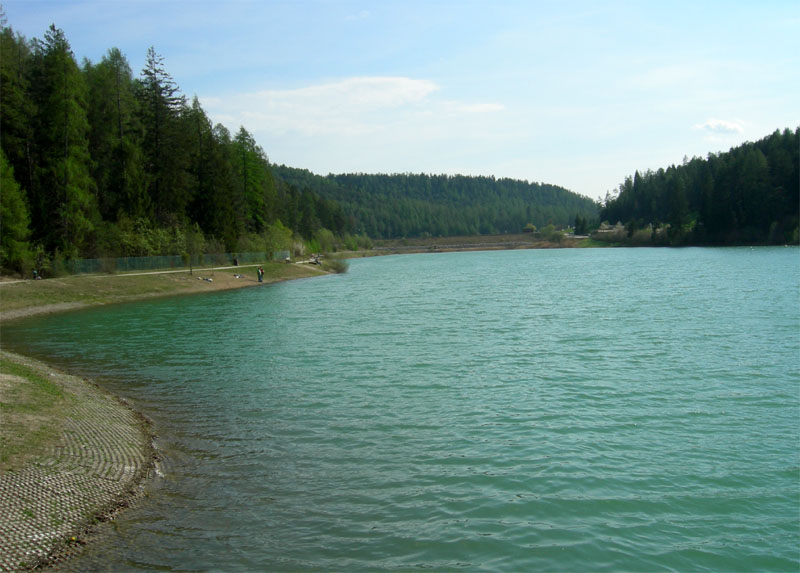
x: 103, y: 453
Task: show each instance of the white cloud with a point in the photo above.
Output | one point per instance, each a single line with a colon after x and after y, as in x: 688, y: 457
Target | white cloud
x: 481, y: 108
x: 720, y: 126
x: 349, y: 107
x: 369, y: 124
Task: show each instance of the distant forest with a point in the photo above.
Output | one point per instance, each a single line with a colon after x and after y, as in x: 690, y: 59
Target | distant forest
x: 748, y: 195
x: 418, y: 205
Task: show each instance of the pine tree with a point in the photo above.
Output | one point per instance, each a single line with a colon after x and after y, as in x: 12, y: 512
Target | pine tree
x: 115, y: 138
x: 165, y: 155
x: 17, y: 106
x: 216, y: 204
x: 14, y: 220
x: 64, y: 194
x: 255, y: 181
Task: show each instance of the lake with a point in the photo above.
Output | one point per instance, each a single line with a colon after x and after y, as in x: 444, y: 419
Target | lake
x: 550, y: 410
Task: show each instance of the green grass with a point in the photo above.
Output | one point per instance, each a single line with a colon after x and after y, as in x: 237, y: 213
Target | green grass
x: 593, y: 244
x: 43, y: 388
x: 105, y: 289
x: 29, y: 407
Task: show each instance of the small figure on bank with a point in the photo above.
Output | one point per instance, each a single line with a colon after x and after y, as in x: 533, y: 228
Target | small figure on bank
x: 260, y: 275
x: 35, y: 275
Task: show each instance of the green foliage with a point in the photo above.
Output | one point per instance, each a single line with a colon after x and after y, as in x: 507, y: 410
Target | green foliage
x: 581, y: 225
x: 63, y: 207
x: 356, y: 242
x: 112, y: 165
x: 14, y: 221
x: 409, y: 205
x: 748, y: 195
x: 336, y: 265
x: 277, y: 238
x: 325, y: 240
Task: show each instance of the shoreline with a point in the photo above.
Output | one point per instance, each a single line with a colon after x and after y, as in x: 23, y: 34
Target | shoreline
x: 21, y: 299
x: 99, y: 453
x: 97, y: 464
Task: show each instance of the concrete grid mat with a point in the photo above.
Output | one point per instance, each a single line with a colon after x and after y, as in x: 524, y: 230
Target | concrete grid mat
x: 95, y: 466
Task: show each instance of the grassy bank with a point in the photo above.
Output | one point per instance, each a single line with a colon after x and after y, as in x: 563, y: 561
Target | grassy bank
x: 29, y: 404
x: 19, y: 299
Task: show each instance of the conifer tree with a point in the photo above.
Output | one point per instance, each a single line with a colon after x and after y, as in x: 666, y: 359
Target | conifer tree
x: 166, y: 158
x: 115, y: 138
x: 14, y: 220
x: 255, y: 180
x: 17, y: 106
x: 63, y: 197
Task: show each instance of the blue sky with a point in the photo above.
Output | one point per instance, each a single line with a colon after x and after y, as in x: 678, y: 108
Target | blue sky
x: 578, y: 94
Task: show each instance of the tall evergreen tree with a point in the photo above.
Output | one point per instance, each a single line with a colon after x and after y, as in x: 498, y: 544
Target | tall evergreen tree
x: 18, y: 107
x: 166, y: 158
x: 255, y: 180
x: 14, y: 220
x: 63, y: 197
x: 216, y: 205
x: 115, y: 138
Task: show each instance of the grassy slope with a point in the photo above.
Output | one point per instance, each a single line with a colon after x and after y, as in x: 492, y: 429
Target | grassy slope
x: 29, y: 405
x: 25, y: 298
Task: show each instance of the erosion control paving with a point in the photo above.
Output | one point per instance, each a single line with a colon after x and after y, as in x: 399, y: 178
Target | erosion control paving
x: 94, y: 467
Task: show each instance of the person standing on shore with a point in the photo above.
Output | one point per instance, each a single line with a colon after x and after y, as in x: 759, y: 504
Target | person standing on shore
x: 260, y: 275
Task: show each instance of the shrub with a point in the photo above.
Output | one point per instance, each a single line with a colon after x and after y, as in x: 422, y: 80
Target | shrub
x: 336, y: 265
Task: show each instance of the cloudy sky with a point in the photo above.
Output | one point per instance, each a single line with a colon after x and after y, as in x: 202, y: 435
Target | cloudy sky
x: 579, y: 94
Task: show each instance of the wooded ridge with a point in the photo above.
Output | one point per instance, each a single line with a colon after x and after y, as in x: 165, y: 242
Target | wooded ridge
x: 385, y: 206
x: 748, y: 195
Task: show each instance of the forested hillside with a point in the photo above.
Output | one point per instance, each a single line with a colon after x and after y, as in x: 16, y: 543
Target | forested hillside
x: 414, y: 205
x: 747, y: 195
x: 98, y: 162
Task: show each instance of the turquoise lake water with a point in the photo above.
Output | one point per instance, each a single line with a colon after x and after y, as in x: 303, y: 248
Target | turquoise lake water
x: 540, y: 410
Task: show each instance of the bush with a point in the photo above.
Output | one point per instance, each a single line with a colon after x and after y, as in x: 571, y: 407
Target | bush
x: 336, y: 265
x: 251, y: 243
x: 325, y: 241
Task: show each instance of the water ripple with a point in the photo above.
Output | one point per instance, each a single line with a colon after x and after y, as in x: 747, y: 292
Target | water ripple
x: 537, y: 410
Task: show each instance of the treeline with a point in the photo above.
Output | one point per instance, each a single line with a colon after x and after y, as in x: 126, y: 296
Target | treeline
x: 419, y: 205
x: 748, y: 195
x: 97, y: 162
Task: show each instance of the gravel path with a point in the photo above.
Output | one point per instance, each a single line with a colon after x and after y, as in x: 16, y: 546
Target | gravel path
x: 103, y: 453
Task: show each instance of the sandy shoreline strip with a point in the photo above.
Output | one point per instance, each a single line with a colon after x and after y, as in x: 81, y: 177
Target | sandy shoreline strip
x: 102, y: 451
